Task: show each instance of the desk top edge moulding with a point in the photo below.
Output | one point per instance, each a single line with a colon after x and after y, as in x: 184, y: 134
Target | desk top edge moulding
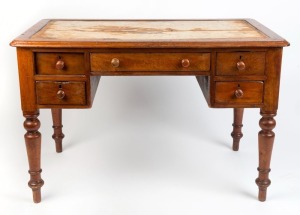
x: 149, y: 34
x: 237, y: 63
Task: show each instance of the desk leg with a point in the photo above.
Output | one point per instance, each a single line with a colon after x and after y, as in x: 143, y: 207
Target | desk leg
x: 57, y: 127
x: 237, y: 127
x: 33, y: 146
x: 265, y: 142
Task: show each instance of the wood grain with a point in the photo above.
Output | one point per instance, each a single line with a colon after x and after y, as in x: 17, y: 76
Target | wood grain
x: 57, y: 127
x: 33, y: 147
x: 237, y: 63
x: 225, y: 92
x: 265, y: 144
x: 157, y: 63
x: 75, y: 93
x: 237, y: 127
x: 73, y: 63
x: 254, y: 63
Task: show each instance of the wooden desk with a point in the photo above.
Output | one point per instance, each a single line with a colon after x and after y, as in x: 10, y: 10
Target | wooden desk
x: 236, y: 62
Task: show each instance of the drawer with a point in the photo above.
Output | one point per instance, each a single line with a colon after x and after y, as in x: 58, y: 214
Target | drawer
x: 60, y: 93
x: 250, y: 92
x: 240, y: 63
x: 105, y: 62
x: 60, y: 63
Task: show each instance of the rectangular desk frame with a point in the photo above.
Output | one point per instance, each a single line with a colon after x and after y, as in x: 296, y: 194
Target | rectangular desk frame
x: 237, y: 64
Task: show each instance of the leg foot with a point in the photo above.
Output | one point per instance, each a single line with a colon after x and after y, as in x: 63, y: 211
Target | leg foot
x: 36, y: 185
x: 37, y: 196
x: 57, y: 127
x: 265, y: 142
x: 33, y: 146
x: 237, y: 127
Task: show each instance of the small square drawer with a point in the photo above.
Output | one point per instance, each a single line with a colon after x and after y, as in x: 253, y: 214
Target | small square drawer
x: 60, y: 93
x: 240, y: 63
x: 59, y: 63
x: 181, y: 62
x: 244, y: 92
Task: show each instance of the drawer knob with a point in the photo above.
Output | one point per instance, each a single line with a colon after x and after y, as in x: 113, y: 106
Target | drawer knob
x: 115, y: 62
x: 239, y: 93
x: 185, y: 63
x: 60, y: 94
x: 60, y: 64
x: 241, y: 65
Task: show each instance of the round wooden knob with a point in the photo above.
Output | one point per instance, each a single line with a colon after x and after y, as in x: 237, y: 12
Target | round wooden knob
x: 185, y: 63
x: 60, y: 64
x: 240, y: 65
x: 239, y: 93
x: 60, y: 94
x: 115, y: 62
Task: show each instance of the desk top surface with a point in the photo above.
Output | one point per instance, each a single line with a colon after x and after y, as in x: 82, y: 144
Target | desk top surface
x: 149, y: 34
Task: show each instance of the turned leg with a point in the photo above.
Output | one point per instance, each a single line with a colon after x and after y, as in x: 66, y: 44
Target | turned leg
x: 57, y: 127
x: 237, y: 127
x: 33, y: 146
x: 265, y: 143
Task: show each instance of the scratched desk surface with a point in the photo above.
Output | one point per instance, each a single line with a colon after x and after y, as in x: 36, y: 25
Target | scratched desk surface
x: 147, y: 30
x: 149, y: 34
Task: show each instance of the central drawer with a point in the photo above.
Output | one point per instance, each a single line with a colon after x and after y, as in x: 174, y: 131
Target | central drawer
x: 110, y: 63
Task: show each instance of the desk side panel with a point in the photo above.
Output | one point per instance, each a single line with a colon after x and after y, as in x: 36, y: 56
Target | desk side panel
x: 94, y: 82
x: 204, y: 83
x: 272, y: 83
x: 26, y: 78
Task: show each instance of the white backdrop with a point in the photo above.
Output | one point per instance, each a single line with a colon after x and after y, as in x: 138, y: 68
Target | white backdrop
x: 150, y: 145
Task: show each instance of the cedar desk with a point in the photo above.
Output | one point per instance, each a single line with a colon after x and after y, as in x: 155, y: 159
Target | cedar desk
x: 236, y: 62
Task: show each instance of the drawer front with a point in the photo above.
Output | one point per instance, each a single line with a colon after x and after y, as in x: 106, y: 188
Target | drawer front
x: 240, y: 63
x: 60, y: 93
x: 60, y: 63
x: 250, y: 92
x: 103, y: 62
